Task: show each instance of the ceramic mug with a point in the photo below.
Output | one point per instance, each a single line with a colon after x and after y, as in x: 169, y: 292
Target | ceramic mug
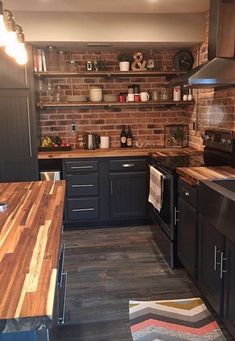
x: 130, y: 98
x: 104, y: 142
x: 144, y: 96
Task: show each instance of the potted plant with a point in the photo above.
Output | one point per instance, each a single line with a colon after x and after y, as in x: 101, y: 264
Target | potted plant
x: 124, y: 61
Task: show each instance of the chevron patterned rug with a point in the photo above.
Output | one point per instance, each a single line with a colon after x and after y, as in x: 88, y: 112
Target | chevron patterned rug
x: 173, y: 320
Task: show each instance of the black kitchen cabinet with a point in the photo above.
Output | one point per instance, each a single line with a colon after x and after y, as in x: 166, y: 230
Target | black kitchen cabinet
x: 18, y: 133
x: 128, y: 188
x: 17, y: 137
x: 128, y: 195
x: 187, y: 227
x: 105, y: 191
x: 210, y: 244
x: 229, y: 286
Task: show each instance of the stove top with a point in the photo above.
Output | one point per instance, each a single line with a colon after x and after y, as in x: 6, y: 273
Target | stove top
x: 172, y: 162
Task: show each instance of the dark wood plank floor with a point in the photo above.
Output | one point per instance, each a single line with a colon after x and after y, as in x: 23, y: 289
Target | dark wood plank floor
x: 107, y: 268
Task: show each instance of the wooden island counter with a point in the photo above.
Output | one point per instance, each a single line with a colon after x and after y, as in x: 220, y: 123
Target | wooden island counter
x: 30, y: 234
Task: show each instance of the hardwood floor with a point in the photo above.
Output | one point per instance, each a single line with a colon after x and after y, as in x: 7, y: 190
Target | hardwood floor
x: 107, y: 268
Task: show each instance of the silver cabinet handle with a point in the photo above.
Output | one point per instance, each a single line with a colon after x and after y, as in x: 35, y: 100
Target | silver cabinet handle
x: 215, y: 257
x: 222, y: 259
x: 83, y: 209
x: 81, y: 167
x: 111, y: 187
x: 186, y: 194
x: 61, y: 318
x: 61, y: 265
x: 176, y: 218
x: 86, y: 185
x: 128, y: 165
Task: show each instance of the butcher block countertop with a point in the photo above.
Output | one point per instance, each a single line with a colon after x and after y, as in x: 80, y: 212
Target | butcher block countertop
x: 30, y: 232
x: 193, y: 175
x: 117, y: 152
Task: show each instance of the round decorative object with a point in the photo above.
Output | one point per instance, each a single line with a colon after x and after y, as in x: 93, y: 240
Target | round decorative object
x: 183, y: 60
x: 215, y: 115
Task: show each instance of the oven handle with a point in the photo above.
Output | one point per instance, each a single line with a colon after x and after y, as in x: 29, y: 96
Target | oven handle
x: 163, y: 171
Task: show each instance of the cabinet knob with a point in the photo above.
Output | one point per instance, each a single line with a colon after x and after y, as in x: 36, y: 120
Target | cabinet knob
x: 186, y: 194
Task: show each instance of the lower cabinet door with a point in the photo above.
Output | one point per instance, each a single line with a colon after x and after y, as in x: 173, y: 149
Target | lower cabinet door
x: 128, y: 195
x: 210, y: 246
x: 82, y: 208
x: 229, y: 287
x: 187, y: 236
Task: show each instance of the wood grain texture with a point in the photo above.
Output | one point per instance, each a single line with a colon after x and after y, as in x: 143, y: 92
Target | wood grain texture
x: 30, y: 232
x: 192, y: 175
x: 119, y: 152
x: 108, y: 267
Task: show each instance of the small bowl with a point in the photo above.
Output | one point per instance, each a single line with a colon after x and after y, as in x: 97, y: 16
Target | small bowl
x: 77, y: 98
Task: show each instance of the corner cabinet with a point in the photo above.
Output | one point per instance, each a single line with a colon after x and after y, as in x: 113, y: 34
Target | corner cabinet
x: 216, y: 270
x: 17, y: 122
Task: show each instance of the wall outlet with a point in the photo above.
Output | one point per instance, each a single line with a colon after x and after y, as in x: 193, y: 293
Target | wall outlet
x: 74, y: 127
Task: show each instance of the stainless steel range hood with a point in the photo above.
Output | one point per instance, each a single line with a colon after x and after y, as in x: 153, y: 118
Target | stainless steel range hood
x: 220, y: 69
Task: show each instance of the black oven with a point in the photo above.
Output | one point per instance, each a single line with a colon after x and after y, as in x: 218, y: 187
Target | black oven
x: 166, y: 219
x: 218, y: 152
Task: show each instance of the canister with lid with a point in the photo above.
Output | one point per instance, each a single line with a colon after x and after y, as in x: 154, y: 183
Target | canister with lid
x: 95, y: 94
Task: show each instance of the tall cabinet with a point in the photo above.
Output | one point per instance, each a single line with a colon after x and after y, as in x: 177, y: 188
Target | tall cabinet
x: 18, y: 132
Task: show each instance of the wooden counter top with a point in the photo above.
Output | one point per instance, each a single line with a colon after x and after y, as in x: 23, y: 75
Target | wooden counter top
x: 193, y: 175
x: 30, y: 230
x: 117, y: 152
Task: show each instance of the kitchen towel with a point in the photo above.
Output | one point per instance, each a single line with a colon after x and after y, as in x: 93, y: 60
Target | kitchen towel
x: 156, y: 187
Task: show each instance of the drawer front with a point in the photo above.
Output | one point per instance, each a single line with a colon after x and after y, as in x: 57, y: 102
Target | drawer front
x: 128, y: 165
x: 82, y: 184
x: 188, y: 192
x: 83, y: 209
x: 75, y: 166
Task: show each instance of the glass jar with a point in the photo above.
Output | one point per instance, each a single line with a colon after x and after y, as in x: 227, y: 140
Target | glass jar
x: 164, y: 95
x: 52, y: 58
x: 62, y: 61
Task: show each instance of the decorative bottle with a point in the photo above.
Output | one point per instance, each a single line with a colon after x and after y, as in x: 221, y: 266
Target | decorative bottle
x: 129, y: 138
x: 123, y: 138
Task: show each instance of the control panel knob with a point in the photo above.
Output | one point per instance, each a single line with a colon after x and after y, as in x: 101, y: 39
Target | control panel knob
x: 207, y: 137
x: 229, y: 142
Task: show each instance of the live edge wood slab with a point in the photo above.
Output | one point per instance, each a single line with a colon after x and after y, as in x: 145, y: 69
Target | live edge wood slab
x: 30, y: 232
x: 118, y: 152
x: 193, y: 175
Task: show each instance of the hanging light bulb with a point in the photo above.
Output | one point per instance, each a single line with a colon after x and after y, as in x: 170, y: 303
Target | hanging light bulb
x: 11, y: 37
x: 2, y: 27
x: 20, y: 52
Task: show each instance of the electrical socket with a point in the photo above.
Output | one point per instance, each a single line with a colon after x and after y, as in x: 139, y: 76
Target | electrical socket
x: 74, y: 127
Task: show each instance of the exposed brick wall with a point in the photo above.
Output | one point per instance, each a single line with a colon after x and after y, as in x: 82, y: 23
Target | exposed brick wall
x: 225, y: 98
x: 147, y: 123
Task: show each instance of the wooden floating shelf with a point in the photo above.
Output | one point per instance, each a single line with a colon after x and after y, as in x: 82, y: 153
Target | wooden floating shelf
x: 108, y: 73
x: 111, y: 104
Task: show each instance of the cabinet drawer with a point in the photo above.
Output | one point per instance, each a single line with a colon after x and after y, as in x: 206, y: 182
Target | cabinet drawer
x: 188, y: 192
x: 80, y: 166
x: 82, y: 184
x: 83, y: 209
x: 127, y: 165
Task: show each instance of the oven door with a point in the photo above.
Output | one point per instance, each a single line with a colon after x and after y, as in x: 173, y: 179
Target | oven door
x: 166, y: 218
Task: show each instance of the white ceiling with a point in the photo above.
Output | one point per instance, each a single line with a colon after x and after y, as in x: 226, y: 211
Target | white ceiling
x: 109, y: 6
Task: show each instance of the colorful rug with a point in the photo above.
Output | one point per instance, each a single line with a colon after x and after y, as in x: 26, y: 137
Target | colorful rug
x: 171, y: 320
